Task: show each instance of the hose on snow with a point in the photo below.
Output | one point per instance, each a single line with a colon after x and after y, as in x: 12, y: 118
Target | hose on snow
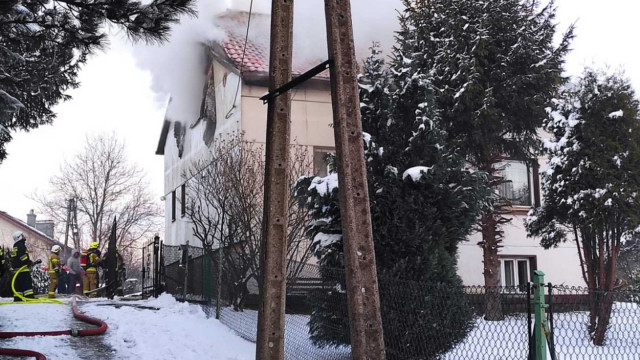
x: 21, y: 353
x: 101, y: 329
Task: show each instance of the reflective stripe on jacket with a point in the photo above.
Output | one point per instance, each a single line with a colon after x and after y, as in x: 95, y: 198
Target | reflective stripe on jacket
x: 54, y: 263
x: 20, y: 255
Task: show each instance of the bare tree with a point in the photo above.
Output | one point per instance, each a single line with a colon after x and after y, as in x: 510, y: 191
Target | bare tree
x: 105, y: 185
x: 225, y: 207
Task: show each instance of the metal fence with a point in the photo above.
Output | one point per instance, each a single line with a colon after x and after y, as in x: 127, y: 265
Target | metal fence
x: 420, y: 321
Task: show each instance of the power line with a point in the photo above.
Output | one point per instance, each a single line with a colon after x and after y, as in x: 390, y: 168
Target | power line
x: 244, y: 52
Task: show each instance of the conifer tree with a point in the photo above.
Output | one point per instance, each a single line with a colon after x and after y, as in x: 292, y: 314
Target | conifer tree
x: 495, y: 70
x: 423, y: 204
x: 592, y: 183
x: 43, y: 44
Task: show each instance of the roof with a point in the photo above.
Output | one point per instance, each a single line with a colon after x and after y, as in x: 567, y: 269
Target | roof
x: 30, y: 230
x: 163, y: 137
x: 256, y: 56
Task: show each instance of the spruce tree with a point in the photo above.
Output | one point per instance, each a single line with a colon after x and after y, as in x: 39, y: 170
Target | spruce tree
x: 495, y: 69
x: 423, y: 204
x: 592, y: 183
x: 43, y: 44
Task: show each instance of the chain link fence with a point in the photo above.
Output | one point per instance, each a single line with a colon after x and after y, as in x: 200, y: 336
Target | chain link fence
x: 573, y: 332
x: 420, y: 321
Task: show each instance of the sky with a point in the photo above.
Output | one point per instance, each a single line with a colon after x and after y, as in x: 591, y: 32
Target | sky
x: 125, y: 88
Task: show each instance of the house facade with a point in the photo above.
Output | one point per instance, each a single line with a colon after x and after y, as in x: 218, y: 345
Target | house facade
x: 231, y: 104
x: 38, y: 242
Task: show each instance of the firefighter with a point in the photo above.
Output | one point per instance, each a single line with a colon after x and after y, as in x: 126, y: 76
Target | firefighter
x: 92, y: 262
x: 120, y: 271
x: 54, y: 270
x: 20, y: 258
x: 1, y: 262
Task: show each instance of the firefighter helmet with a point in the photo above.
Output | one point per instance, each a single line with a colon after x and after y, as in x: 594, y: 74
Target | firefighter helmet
x: 18, y: 236
x: 55, y: 249
x: 94, y: 245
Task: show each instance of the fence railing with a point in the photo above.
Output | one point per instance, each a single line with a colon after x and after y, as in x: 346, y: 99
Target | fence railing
x: 420, y: 321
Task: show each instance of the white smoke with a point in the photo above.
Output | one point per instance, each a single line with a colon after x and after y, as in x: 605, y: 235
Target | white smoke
x: 179, y: 67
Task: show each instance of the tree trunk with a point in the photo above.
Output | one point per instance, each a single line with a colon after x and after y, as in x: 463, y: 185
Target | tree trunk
x: 604, y: 316
x: 493, y: 302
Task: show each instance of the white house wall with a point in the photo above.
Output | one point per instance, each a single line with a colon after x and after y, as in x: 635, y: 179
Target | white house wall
x: 194, y: 148
x: 311, y: 116
x: 560, y: 265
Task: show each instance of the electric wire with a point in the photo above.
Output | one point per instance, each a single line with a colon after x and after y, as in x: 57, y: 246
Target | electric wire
x: 235, y: 99
x: 244, y: 52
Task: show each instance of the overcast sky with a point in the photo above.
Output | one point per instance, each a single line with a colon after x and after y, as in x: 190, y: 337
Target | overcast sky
x: 116, y: 96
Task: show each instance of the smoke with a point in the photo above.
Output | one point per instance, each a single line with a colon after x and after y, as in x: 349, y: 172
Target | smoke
x: 179, y: 66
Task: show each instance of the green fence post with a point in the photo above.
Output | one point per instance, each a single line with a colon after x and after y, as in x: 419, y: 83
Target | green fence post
x: 539, y: 336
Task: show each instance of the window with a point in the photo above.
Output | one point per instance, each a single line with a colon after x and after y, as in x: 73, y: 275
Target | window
x: 183, y: 200
x: 515, y: 272
x: 173, y: 205
x: 320, y: 166
x: 521, y: 187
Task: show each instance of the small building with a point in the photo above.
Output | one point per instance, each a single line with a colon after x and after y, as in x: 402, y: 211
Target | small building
x: 39, y: 243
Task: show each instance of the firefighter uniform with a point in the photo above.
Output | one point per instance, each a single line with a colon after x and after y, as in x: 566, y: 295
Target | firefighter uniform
x: 120, y: 270
x: 1, y: 262
x: 54, y: 270
x: 93, y: 260
x: 20, y: 258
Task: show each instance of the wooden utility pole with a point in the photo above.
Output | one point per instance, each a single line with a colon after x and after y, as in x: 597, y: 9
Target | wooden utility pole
x: 362, y: 282
x: 270, y: 344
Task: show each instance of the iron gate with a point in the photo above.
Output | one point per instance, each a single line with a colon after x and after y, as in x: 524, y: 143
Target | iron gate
x: 152, y: 268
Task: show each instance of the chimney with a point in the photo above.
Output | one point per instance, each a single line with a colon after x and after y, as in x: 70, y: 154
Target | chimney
x: 31, y: 219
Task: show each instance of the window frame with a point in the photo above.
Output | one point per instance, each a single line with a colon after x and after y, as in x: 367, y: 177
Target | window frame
x: 325, y: 150
x: 531, y: 263
x: 533, y: 182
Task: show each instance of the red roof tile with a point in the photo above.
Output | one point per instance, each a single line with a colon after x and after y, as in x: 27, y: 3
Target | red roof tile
x: 256, y: 57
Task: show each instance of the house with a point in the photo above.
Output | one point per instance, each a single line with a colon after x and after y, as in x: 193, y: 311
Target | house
x: 231, y: 104
x: 521, y: 255
x: 39, y: 234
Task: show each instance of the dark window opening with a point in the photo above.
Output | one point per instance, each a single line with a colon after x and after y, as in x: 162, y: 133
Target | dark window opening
x: 183, y: 200
x: 173, y: 205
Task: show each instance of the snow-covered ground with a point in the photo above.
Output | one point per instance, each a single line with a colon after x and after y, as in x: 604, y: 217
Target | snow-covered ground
x: 137, y: 330
x: 297, y: 344
x: 507, y: 339
x: 39, y: 317
x: 175, y: 331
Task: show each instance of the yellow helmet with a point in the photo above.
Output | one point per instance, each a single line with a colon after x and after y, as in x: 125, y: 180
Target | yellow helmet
x: 94, y: 245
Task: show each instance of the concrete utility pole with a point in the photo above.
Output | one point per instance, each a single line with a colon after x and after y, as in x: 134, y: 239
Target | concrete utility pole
x: 362, y: 282
x: 270, y: 344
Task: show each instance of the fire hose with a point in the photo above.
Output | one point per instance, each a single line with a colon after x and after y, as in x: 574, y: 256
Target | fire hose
x: 101, y: 329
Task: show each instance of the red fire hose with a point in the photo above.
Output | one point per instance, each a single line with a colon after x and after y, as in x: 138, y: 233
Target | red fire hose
x: 101, y: 329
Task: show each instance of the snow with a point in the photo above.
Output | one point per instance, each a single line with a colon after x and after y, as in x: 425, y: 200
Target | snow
x: 492, y: 340
x: 146, y: 334
x: 326, y: 239
x: 38, y: 317
x: 133, y: 333
x: 616, y: 114
x: 324, y: 185
x: 415, y: 172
